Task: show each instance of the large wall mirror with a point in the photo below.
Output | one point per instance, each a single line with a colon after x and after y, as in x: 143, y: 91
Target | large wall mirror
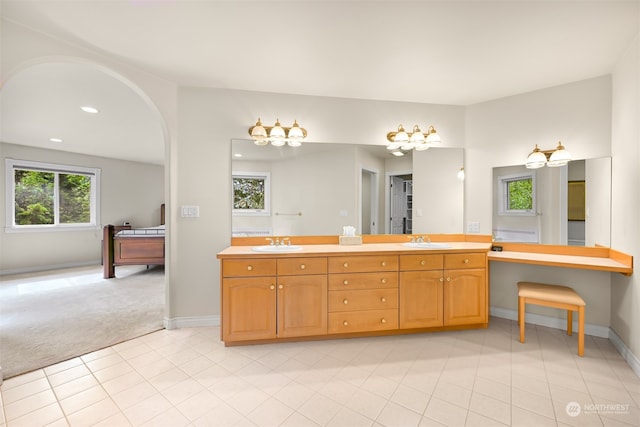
x: 319, y: 188
x: 568, y: 205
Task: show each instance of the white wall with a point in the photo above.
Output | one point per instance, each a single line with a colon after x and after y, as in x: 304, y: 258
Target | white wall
x: 130, y: 191
x: 625, y: 229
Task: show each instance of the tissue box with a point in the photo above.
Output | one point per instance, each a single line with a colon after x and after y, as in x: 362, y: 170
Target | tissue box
x: 350, y: 240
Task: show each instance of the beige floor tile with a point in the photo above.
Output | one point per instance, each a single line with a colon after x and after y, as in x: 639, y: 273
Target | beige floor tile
x: 147, y: 409
x: 79, y: 401
x: 477, y: 420
x: 20, y: 390
x: 76, y: 386
x: 31, y: 403
x: 453, y: 394
x: 394, y: 415
x: 298, y: 420
x: 489, y: 407
x: 221, y: 416
x: 19, y: 380
x: 445, y: 413
x: 491, y: 388
x: 63, y: 366
x: 271, y: 412
x: 320, y: 409
x: 94, y: 414
x: 123, y: 382
x: 411, y: 398
x: 40, y: 417
x: 67, y: 375
x: 524, y: 418
x: 348, y: 418
x: 134, y: 395
x: 532, y: 402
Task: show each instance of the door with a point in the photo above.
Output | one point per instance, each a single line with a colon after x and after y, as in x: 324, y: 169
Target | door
x: 421, y: 299
x: 249, y: 307
x: 369, y: 201
x: 302, y: 305
x: 465, y: 296
x: 398, y: 202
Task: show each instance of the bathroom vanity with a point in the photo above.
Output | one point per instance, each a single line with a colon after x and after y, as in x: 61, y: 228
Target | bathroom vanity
x: 326, y: 290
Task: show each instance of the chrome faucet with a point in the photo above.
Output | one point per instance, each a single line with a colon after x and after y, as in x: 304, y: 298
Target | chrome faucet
x: 270, y: 241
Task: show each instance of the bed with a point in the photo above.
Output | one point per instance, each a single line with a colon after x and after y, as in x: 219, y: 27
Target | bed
x: 132, y: 246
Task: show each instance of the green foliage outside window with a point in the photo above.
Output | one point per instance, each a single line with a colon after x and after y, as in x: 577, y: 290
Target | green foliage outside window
x: 520, y: 194
x: 35, y: 198
x: 248, y: 193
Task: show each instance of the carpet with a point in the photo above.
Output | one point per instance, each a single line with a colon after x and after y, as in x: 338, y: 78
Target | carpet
x: 46, y: 318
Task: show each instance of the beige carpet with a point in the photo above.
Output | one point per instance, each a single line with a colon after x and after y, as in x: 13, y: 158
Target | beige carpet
x: 46, y: 318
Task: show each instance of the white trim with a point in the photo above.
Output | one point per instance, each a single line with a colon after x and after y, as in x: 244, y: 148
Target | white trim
x: 632, y: 359
x: 191, y: 322
x: 550, y: 322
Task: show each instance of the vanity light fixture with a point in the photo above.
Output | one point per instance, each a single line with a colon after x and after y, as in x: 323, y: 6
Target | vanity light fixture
x: 552, y: 158
x: 277, y: 134
x: 416, y: 139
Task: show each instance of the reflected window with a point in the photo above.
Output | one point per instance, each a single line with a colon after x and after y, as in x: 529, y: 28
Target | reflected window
x: 516, y: 194
x: 251, y: 193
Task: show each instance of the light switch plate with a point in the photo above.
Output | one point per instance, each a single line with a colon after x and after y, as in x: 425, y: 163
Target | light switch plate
x: 473, y: 227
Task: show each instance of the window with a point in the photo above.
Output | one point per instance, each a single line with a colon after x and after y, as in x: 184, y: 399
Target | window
x: 251, y: 193
x: 45, y: 196
x: 516, y: 194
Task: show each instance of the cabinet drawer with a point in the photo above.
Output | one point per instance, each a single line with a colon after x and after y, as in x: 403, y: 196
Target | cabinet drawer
x: 249, y: 267
x: 363, y: 281
x: 475, y: 260
x: 368, y: 299
x: 362, y: 321
x: 363, y: 264
x: 421, y: 262
x: 296, y: 266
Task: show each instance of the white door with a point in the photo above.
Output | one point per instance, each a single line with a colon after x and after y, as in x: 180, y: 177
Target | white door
x: 398, y: 203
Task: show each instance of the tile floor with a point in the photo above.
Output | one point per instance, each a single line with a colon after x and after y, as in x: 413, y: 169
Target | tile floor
x: 186, y: 377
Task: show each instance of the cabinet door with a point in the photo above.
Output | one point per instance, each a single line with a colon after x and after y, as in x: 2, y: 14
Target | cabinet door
x: 302, y: 305
x: 248, y: 308
x: 420, y: 299
x: 465, y: 297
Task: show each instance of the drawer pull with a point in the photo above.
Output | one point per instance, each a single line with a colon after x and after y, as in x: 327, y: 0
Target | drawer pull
x: 345, y: 282
x: 272, y: 287
x: 345, y: 301
x: 384, y: 263
x: 280, y: 286
x: 383, y: 299
x: 422, y: 262
x: 383, y: 320
x: 249, y: 267
x: 383, y: 281
x: 345, y: 265
x: 302, y: 266
x: 466, y: 260
x: 345, y: 323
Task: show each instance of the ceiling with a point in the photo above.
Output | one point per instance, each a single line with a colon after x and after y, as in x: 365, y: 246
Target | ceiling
x: 442, y: 52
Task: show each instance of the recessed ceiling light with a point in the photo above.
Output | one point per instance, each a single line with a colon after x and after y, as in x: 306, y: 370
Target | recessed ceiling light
x: 55, y: 139
x: 88, y: 109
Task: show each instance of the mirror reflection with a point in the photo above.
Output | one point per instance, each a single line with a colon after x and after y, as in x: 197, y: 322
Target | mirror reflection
x: 319, y: 188
x: 568, y: 205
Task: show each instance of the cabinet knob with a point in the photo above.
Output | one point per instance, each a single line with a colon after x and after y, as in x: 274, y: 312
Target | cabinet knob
x: 272, y: 287
x: 280, y: 286
x: 466, y: 261
x: 383, y: 320
x: 383, y: 299
x: 442, y: 279
x: 345, y: 323
x: 345, y: 301
x: 345, y: 265
x: 302, y: 266
x: 383, y: 281
x: 249, y: 267
x: 448, y: 279
x: 345, y: 282
x: 422, y: 262
x: 384, y: 263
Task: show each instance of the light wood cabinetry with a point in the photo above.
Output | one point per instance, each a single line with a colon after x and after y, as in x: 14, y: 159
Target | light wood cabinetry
x: 363, y: 293
x: 268, y: 298
x: 276, y: 297
x: 442, y: 290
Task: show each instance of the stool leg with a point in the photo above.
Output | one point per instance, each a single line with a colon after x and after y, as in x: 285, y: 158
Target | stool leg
x: 521, y: 316
x: 581, y: 331
x: 569, y: 322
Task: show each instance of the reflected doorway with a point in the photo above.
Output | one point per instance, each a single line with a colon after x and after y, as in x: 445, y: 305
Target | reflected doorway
x: 400, y: 206
x: 369, y: 201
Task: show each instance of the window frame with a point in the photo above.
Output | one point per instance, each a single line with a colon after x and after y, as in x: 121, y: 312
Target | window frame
x: 10, y: 222
x: 266, y: 176
x: 503, y: 194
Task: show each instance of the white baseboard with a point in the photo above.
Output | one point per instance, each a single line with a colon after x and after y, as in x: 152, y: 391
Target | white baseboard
x: 48, y: 267
x: 191, y: 322
x: 632, y: 359
x: 551, y: 322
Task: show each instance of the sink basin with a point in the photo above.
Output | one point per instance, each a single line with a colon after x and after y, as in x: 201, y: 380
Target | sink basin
x: 277, y: 249
x: 427, y: 245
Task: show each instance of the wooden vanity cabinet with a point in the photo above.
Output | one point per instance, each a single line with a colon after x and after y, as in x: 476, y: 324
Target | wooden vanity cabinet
x: 465, y: 289
x: 273, y: 298
x: 363, y: 293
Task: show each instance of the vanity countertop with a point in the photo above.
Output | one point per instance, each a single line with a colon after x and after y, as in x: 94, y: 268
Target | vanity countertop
x: 364, y: 249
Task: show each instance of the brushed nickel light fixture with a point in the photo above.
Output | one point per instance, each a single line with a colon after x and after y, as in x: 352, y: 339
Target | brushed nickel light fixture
x: 416, y: 139
x: 277, y: 134
x: 552, y: 158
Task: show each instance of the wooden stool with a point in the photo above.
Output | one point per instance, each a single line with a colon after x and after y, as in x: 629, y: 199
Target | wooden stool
x: 554, y: 296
